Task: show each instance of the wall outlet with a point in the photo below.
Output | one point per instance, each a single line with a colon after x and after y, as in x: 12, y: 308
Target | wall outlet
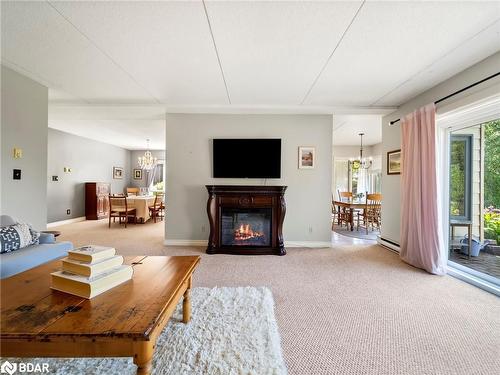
x: 55, y: 178
x: 16, y: 174
x: 68, y: 212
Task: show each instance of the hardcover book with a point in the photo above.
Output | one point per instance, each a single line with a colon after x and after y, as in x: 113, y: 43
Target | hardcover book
x: 91, y: 253
x: 83, y: 268
x: 89, y: 287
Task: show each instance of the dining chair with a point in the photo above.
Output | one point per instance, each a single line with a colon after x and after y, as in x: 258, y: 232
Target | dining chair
x: 118, y: 208
x: 344, y: 214
x: 132, y: 191
x: 334, y: 212
x: 158, y: 207
x: 371, y: 211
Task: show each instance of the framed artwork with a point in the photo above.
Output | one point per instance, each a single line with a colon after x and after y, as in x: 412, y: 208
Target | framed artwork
x: 307, y: 157
x: 394, y: 162
x: 117, y: 173
x: 137, y: 174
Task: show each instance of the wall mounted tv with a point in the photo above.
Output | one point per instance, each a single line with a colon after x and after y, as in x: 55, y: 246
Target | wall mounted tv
x: 247, y: 158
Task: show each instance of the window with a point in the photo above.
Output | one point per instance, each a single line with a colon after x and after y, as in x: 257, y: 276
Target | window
x: 461, y: 177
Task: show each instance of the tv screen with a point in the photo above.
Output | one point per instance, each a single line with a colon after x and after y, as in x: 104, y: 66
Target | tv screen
x: 247, y: 158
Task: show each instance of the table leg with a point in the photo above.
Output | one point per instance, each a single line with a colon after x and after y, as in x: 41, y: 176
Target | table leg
x: 143, y: 357
x: 186, y: 304
x: 469, y: 233
x: 338, y: 215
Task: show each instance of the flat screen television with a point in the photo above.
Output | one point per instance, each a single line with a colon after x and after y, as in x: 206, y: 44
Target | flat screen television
x: 247, y: 158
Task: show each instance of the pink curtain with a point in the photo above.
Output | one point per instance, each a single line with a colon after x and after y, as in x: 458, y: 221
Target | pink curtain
x: 421, y: 239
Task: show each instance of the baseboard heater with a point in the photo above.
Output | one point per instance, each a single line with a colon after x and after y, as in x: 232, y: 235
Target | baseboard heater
x: 389, y: 244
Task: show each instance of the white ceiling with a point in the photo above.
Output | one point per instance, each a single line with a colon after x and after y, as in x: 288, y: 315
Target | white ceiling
x: 124, y: 126
x: 346, y: 129
x: 323, y: 57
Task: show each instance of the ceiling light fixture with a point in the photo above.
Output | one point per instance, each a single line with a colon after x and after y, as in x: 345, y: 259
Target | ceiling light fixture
x: 361, y: 163
x: 147, y: 162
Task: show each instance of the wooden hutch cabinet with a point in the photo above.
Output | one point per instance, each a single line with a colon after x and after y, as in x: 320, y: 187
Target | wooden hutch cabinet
x: 96, y: 200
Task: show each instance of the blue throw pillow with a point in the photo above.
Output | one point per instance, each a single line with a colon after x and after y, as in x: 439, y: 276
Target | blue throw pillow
x: 18, y: 236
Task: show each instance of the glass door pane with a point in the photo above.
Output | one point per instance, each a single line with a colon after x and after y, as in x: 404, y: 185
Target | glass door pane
x: 475, y: 199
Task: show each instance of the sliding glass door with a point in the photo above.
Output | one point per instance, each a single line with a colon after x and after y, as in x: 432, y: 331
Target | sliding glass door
x: 474, y: 199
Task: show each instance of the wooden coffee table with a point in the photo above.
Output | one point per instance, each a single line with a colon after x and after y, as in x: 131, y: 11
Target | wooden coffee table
x: 122, y: 322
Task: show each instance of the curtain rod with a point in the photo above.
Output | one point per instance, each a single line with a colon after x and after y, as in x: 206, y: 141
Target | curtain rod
x: 457, y: 92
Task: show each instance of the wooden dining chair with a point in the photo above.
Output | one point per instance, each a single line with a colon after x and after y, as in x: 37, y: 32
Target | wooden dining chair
x: 132, y: 191
x: 118, y: 208
x: 344, y: 214
x: 371, y: 211
x: 158, y: 207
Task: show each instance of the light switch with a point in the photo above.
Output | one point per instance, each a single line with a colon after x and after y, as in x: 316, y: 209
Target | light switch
x: 17, y: 153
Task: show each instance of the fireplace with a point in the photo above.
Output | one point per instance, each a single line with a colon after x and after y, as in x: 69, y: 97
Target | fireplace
x: 246, y: 227
x: 246, y: 219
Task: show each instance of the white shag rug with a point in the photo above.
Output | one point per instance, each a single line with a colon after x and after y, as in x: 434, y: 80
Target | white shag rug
x: 232, y: 331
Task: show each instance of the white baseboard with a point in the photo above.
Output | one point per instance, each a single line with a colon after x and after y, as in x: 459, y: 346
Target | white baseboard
x: 185, y: 242
x: 308, y: 244
x: 64, y: 222
x: 287, y: 243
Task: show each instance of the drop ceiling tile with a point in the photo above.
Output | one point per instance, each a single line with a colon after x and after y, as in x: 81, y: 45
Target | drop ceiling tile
x: 37, y: 41
x: 389, y: 42
x: 471, y: 52
x: 272, y: 51
x: 346, y: 129
x: 166, y: 46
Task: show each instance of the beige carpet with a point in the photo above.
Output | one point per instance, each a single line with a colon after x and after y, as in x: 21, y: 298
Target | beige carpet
x: 351, y: 309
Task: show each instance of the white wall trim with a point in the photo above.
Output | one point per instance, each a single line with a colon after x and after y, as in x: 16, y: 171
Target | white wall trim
x: 308, y: 244
x: 311, y: 244
x: 185, y: 242
x: 64, y: 222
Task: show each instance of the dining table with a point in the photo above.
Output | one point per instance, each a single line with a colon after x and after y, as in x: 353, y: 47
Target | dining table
x: 141, y: 204
x: 351, y: 206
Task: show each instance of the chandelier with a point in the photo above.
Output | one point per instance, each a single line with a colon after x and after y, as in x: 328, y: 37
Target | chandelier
x: 147, y: 162
x: 361, y: 163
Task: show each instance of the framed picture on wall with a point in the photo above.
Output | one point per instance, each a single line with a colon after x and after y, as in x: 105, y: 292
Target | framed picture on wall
x: 307, y: 157
x: 394, y: 162
x: 117, y: 173
x: 137, y: 174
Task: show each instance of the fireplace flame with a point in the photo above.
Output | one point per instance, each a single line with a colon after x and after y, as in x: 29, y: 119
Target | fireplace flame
x: 245, y: 233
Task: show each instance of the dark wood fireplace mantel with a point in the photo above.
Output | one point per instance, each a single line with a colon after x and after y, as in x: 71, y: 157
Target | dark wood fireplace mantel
x: 246, y: 198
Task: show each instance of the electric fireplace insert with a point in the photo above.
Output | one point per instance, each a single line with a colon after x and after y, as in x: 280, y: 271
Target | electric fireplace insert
x: 246, y: 226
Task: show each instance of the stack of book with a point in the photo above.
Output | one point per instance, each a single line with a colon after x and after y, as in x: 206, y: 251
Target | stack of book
x: 91, y: 270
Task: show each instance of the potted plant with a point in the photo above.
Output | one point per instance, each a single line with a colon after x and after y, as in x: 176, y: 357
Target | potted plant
x: 492, y: 230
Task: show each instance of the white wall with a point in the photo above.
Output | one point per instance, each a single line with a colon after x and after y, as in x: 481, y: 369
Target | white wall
x: 24, y: 125
x: 391, y: 135
x: 189, y: 169
x: 90, y: 161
